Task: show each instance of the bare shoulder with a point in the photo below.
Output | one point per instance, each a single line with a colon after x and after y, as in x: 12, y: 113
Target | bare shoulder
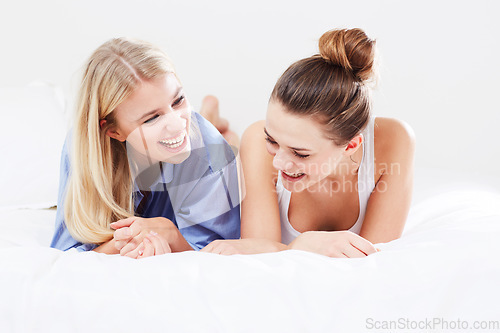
x: 254, y: 131
x: 394, y: 142
x: 252, y: 140
x: 254, y: 154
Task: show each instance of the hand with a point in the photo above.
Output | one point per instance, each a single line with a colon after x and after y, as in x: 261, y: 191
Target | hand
x: 243, y: 246
x: 335, y: 244
x: 152, y: 245
x: 131, y: 232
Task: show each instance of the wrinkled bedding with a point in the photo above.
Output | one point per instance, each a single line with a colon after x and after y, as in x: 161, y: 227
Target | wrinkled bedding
x: 446, y: 265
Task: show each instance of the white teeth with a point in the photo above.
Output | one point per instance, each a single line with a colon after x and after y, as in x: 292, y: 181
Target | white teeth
x: 175, y: 142
x: 294, y: 175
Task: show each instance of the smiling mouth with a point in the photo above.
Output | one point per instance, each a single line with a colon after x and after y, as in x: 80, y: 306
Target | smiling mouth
x: 293, y: 175
x: 175, y: 142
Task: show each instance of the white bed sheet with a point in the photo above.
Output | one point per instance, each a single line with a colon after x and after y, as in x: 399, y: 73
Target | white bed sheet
x: 446, y: 266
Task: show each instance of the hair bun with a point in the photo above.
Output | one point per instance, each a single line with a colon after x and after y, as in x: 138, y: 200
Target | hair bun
x: 350, y: 49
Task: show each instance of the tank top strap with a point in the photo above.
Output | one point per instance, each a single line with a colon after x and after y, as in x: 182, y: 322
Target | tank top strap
x: 369, y: 174
x: 366, y: 181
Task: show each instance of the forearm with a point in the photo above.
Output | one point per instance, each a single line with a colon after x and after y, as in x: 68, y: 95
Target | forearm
x: 173, y: 236
x: 260, y: 220
x: 107, y: 247
x: 244, y: 246
x: 280, y: 247
x: 265, y: 245
x: 178, y: 243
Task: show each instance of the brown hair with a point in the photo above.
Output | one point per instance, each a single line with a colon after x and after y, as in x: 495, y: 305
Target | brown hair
x: 332, y: 85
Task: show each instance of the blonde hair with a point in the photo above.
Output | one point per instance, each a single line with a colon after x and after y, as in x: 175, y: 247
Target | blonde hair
x: 100, y: 183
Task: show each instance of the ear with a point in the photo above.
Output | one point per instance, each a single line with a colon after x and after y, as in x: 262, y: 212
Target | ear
x: 111, y: 132
x: 354, y: 145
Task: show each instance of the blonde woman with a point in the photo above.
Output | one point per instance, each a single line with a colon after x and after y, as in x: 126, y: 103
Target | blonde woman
x: 141, y: 174
x: 326, y: 175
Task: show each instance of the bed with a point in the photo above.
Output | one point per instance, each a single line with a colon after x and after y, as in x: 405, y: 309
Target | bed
x: 442, y: 274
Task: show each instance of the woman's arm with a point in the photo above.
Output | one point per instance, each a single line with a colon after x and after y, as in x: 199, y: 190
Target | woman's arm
x: 388, y: 204
x: 244, y: 246
x: 390, y: 201
x: 107, y: 247
x: 260, y: 217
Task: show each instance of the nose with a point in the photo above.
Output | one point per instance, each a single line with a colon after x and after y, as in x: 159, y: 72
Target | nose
x: 174, y: 122
x: 281, y: 162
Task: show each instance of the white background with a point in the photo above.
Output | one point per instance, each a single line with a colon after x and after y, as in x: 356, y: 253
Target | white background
x: 439, y: 59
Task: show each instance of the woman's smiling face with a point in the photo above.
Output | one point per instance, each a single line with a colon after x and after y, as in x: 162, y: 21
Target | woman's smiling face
x: 302, y: 152
x: 155, y: 120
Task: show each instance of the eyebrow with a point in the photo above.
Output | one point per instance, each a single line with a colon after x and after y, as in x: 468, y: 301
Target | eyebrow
x: 293, y: 148
x: 156, y: 110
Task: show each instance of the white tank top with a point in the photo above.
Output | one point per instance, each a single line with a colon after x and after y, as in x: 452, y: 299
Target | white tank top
x: 366, y: 184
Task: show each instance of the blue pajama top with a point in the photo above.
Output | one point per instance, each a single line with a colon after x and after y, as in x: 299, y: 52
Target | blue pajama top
x: 200, y: 195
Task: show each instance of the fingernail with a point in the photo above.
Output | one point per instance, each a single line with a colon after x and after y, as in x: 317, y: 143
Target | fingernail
x: 141, y: 252
x: 153, y: 233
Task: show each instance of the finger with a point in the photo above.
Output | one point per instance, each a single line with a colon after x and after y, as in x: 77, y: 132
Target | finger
x: 158, y: 244
x: 365, y: 248
x: 136, y: 229
x: 149, y: 250
x: 332, y: 253
x: 214, y: 247
x: 123, y: 223
x: 353, y: 252
x: 131, y: 245
x: 362, y: 244
x: 208, y: 248
x: 136, y: 252
x: 123, y: 234
x: 120, y: 244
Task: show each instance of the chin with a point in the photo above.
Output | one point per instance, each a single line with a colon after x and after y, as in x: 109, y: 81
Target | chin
x: 179, y: 158
x: 295, y: 187
x: 302, y: 185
